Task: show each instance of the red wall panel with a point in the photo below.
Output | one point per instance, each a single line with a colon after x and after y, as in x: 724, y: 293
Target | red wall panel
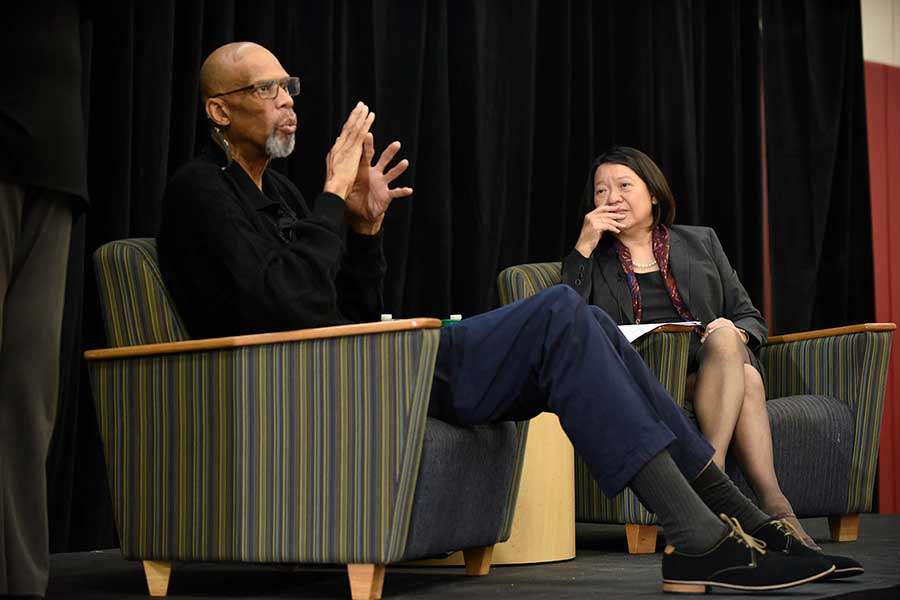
x: 883, y: 124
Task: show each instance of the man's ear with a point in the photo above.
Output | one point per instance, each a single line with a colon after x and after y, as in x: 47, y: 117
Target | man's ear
x: 218, y: 112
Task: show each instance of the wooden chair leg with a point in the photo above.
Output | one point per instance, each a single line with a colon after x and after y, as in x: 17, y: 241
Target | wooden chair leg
x: 844, y: 528
x: 478, y: 560
x: 158, y: 574
x: 641, y: 538
x: 366, y: 581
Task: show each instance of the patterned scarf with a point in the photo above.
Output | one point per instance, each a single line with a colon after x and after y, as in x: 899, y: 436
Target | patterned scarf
x: 661, y: 253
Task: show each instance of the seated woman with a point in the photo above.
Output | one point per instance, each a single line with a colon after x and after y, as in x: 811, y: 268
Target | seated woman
x: 632, y: 262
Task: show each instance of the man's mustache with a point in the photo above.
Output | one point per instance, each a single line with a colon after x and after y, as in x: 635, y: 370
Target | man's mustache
x: 289, y: 119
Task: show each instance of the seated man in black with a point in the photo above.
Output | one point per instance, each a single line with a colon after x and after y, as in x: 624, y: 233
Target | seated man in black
x: 243, y: 253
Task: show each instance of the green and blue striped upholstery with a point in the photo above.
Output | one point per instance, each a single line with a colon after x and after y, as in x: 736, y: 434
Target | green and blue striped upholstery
x: 666, y: 355
x: 268, y: 453
x: 136, y: 305
x: 522, y: 434
x: 523, y: 281
x: 851, y: 368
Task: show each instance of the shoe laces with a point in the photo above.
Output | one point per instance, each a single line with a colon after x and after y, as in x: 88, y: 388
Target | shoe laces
x: 742, y: 536
x: 788, y: 529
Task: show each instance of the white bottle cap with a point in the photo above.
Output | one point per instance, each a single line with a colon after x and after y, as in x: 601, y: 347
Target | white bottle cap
x: 387, y: 317
x: 456, y: 317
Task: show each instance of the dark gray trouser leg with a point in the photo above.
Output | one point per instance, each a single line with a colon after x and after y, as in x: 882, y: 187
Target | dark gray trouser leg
x: 35, y: 226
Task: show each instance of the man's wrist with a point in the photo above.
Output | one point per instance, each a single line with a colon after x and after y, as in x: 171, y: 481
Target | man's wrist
x: 332, y: 187
x: 364, y: 226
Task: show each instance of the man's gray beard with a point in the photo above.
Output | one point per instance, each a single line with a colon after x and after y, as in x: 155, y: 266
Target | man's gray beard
x: 278, y: 146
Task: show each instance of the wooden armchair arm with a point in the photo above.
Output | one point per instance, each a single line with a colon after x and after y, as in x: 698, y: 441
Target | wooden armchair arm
x: 673, y: 328
x: 316, y: 333
x: 820, y: 333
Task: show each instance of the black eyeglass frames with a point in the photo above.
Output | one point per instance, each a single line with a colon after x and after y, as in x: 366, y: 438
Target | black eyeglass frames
x: 268, y: 89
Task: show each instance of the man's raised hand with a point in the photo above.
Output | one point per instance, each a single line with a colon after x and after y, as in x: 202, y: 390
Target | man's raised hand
x: 343, y: 160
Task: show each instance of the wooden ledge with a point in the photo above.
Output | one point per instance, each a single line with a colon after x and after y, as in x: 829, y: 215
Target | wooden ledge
x: 317, y: 333
x: 820, y: 333
x: 672, y: 328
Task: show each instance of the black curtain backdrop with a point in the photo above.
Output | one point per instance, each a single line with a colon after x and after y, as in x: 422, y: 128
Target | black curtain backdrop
x: 500, y: 107
x: 819, y: 213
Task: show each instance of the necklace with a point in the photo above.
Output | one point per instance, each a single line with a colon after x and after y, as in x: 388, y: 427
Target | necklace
x: 643, y: 265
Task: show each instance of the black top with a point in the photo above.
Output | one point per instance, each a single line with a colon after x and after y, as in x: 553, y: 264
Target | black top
x: 42, y: 137
x: 238, y: 260
x: 706, y: 281
x: 656, y: 305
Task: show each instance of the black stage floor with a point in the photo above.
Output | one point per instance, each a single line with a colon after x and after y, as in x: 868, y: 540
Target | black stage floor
x: 602, y: 569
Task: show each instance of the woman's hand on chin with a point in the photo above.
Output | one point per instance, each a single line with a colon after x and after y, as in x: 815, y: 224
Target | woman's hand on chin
x: 597, y: 222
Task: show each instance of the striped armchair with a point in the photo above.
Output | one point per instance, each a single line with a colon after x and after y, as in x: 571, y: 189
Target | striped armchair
x: 309, y: 446
x: 826, y: 391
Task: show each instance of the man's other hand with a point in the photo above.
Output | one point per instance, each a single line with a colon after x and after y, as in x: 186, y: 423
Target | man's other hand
x: 371, y: 193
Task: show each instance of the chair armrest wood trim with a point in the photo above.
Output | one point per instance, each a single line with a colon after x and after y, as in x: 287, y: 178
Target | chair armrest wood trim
x: 819, y: 333
x: 316, y: 333
x: 674, y: 328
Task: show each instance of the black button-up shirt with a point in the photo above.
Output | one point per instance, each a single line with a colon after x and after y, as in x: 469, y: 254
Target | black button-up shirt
x: 240, y: 260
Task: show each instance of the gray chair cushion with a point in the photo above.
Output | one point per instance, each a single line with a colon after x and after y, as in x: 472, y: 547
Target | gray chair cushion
x: 464, y: 482
x: 813, y: 441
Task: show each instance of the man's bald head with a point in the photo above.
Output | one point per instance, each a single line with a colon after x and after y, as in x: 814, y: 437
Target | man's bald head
x: 251, y: 126
x: 231, y: 66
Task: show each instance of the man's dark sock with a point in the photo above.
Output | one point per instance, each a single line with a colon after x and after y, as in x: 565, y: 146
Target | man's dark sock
x: 720, y: 494
x: 688, y: 523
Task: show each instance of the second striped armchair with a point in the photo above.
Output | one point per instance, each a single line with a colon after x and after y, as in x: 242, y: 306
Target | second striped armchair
x: 826, y: 394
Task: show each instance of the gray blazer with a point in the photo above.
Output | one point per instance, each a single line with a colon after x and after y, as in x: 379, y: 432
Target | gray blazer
x: 706, y: 281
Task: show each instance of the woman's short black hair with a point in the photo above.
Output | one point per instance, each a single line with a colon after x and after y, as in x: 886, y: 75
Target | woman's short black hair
x: 650, y: 174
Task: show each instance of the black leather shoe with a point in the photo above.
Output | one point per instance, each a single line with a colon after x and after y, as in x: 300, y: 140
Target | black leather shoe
x: 780, y: 536
x: 739, y: 562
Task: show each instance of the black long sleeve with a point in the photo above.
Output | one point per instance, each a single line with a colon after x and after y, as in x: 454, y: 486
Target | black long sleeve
x: 577, y: 273
x: 230, y: 272
x: 737, y: 304
x: 360, y: 282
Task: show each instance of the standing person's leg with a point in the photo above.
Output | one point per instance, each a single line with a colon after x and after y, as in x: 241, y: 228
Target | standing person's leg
x: 35, y: 227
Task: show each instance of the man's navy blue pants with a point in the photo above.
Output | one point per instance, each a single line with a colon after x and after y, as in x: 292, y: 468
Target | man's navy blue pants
x: 554, y: 353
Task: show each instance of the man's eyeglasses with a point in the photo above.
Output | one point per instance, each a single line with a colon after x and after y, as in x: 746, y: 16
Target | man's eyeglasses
x: 268, y: 89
